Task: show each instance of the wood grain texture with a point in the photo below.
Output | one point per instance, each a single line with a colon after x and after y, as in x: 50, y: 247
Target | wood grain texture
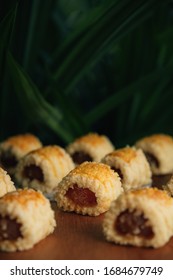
x: 78, y: 237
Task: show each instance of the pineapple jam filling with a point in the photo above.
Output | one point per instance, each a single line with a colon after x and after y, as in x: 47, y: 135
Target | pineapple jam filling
x: 8, y: 160
x: 81, y: 196
x: 80, y: 157
x: 132, y: 223
x: 117, y: 170
x: 33, y: 172
x: 152, y: 160
x: 9, y: 229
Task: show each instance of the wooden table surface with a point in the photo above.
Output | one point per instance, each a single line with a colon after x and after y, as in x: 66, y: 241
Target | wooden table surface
x: 78, y: 237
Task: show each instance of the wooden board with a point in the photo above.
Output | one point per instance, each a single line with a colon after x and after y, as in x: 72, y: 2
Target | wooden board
x: 78, y: 237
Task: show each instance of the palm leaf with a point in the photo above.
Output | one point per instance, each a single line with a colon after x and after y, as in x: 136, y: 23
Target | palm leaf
x: 35, y: 106
x: 117, y: 98
x: 6, y: 32
x: 93, y: 38
x: 6, y: 29
x: 101, y: 70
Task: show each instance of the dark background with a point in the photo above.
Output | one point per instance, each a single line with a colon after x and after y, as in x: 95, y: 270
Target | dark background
x: 81, y: 66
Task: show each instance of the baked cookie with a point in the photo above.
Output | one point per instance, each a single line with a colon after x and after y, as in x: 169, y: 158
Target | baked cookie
x: 43, y: 169
x: 88, y: 189
x: 158, y: 149
x: 131, y: 165
x: 14, y: 148
x: 90, y: 147
x: 26, y: 218
x: 141, y: 217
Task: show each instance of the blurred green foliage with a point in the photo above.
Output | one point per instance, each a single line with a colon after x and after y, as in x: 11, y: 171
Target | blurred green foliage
x: 71, y: 67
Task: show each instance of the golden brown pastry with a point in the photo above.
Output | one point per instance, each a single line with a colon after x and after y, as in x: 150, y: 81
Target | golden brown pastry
x: 14, y: 148
x: 26, y: 218
x: 43, y: 169
x: 88, y: 189
x: 90, y: 147
x: 141, y: 217
x: 158, y: 149
x: 131, y: 165
x: 6, y: 184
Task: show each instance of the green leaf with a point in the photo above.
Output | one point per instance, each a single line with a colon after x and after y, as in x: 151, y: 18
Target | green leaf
x: 6, y: 30
x: 36, y: 27
x: 138, y: 87
x: 111, y: 65
x: 35, y: 106
x: 85, y: 47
